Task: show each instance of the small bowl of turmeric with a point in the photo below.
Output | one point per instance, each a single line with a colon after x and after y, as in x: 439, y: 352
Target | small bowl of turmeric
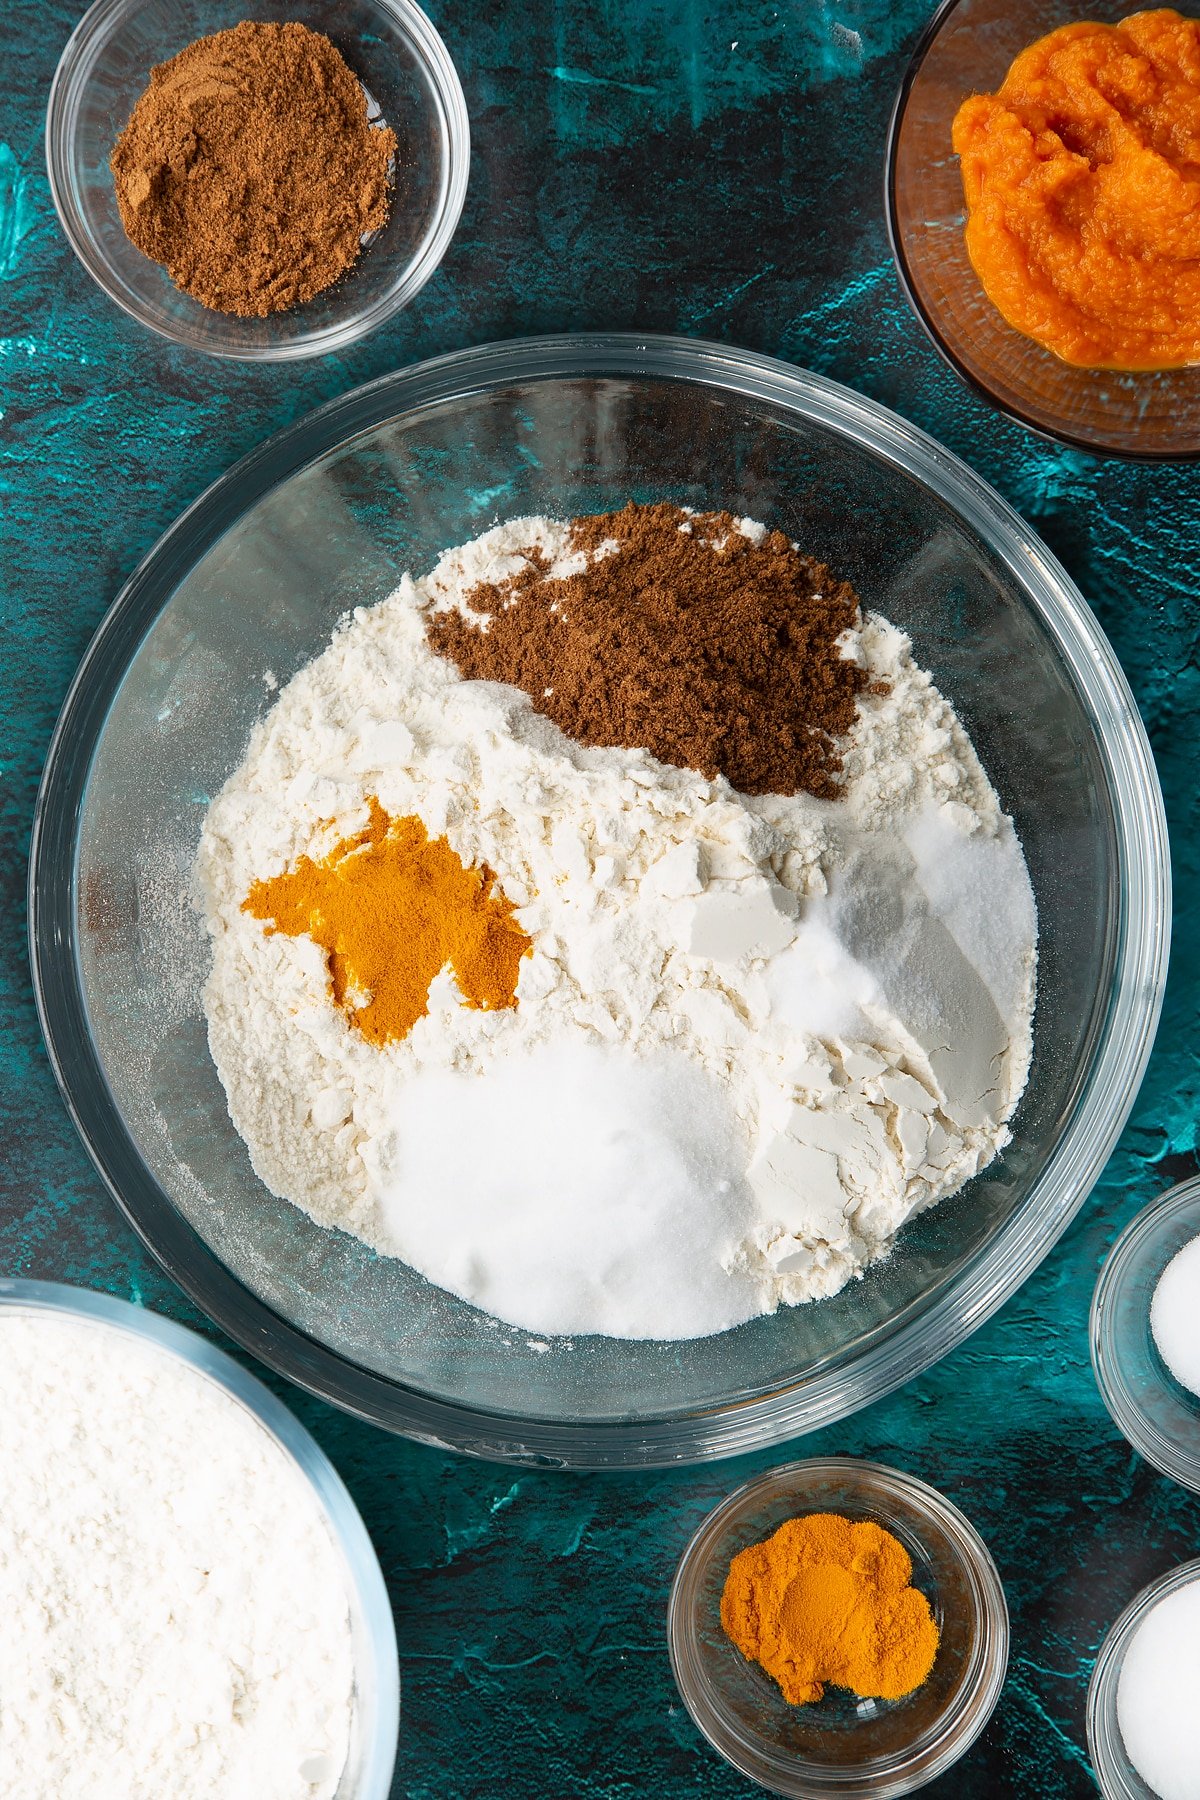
x: 1040, y: 198
x: 838, y: 1628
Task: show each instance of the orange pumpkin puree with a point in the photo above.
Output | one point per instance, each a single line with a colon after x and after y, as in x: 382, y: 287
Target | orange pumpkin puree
x: 1082, y: 181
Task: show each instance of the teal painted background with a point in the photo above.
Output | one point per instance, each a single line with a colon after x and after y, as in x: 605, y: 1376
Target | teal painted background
x: 653, y: 164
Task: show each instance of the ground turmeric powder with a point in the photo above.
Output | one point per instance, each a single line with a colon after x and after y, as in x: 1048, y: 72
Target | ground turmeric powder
x: 826, y: 1599
x: 391, y: 907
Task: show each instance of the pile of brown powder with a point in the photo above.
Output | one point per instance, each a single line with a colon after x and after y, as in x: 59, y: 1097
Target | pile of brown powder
x: 711, y: 651
x: 248, y: 168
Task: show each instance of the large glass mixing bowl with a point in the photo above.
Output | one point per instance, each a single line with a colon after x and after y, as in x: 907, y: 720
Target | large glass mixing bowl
x: 327, y: 516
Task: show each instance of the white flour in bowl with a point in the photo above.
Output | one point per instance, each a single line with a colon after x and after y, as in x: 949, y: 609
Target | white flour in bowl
x: 173, y: 1618
x: 842, y: 988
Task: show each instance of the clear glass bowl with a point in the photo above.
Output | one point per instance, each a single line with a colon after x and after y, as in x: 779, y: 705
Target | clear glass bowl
x: 967, y: 48
x: 856, y: 1749
x: 376, y: 1717
x: 404, y: 67
x: 1116, y: 1775
x: 1160, y: 1418
x: 327, y: 516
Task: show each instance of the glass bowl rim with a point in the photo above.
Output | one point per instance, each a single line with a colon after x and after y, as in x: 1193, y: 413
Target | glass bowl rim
x: 1106, y: 1093
x: 755, y: 1756
x: 1101, y: 1707
x: 67, y: 86
x: 1161, y: 1453
x: 328, y: 1490
x: 930, y: 32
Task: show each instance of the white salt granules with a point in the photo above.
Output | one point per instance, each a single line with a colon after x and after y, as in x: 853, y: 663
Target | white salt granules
x: 1175, y: 1316
x: 851, y: 982
x: 173, y: 1616
x: 1156, y: 1696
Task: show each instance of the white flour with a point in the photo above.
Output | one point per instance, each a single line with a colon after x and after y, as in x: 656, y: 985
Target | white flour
x: 853, y: 980
x: 174, y: 1618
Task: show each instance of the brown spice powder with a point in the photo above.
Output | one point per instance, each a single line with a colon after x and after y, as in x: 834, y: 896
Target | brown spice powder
x: 710, y: 651
x: 249, y: 170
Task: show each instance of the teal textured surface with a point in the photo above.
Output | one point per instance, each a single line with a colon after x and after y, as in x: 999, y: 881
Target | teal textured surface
x: 657, y: 167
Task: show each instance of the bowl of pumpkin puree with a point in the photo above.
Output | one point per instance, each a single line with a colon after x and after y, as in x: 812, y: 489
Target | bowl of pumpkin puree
x: 1043, y: 195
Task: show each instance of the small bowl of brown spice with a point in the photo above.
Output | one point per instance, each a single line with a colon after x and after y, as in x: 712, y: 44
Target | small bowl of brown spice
x: 262, y: 188
x: 838, y: 1628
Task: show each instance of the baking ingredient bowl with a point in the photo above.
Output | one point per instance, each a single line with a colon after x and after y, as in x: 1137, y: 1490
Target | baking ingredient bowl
x: 841, y: 1745
x: 376, y: 1715
x: 967, y: 48
x: 249, y: 584
x: 408, y: 76
x: 1116, y: 1775
x: 1160, y: 1418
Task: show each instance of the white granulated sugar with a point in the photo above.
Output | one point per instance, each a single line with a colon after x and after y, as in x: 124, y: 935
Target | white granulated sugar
x: 175, y: 1621
x: 1175, y: 1316
x: 1156, y: 1696
x: 854, y: 980
x: 633, y: 1208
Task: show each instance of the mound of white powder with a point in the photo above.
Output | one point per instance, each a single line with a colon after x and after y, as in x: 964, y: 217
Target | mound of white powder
x: 174, y: 1617
x: 753, y: 1037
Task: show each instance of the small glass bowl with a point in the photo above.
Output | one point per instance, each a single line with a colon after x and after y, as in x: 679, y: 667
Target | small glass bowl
x: 1160, y: 1418
x: 376, y: 1716
x: 967, y: 48
x: 1116, y: 1775
x: 841, y: 1745
x: 407, y: 74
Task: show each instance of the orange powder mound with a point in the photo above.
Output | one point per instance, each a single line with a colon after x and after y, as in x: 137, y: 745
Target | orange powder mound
x: 827, y: 1599
x: 1082, y: 183
x: 391, y: 908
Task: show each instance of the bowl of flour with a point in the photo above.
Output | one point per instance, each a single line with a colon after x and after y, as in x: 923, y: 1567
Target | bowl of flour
x: 703, y: 1090
x: 189, y: 1594
x: 745, y: 1037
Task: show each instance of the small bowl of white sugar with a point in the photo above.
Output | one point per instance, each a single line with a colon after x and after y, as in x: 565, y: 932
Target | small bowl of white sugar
x: 1143, y: 1725
x: 1145, y: 1333
x: 188, y: 1592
